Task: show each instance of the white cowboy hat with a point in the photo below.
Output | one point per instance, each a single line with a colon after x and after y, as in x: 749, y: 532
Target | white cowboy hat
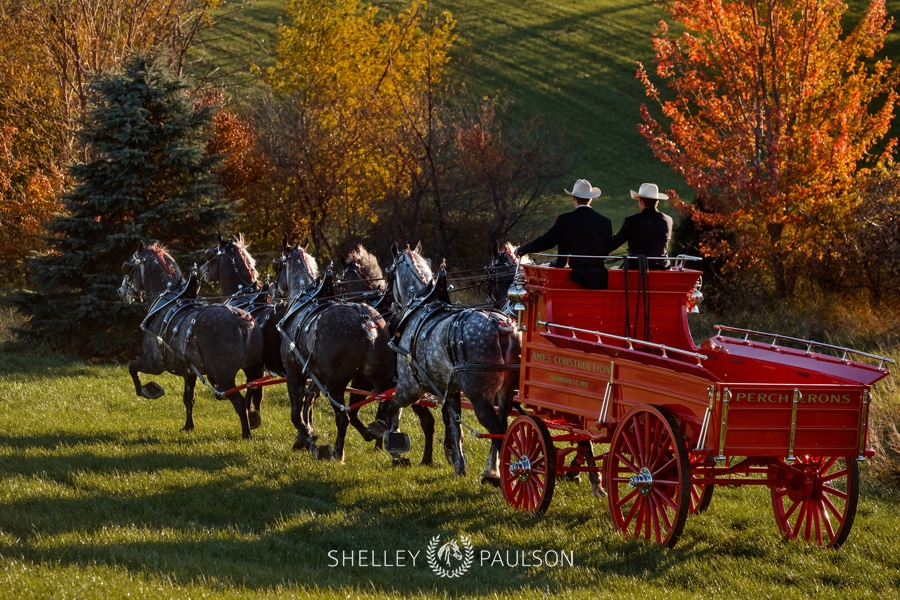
x: 650, y: 191
x: 583, y: 189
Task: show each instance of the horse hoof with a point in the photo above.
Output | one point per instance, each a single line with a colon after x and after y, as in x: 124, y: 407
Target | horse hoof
x: 598, y: 491
x: 323, y: 453
x: 254, y: 419
x: 400, y: 461
x: 490, y: 479
x: 152, y: 391
x: 378, y: 429
x: 573, y: 477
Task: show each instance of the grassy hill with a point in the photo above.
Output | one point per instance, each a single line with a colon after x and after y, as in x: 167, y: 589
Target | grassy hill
x: 571, y: 62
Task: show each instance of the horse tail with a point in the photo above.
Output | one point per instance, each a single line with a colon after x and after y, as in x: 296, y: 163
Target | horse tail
x: 245, y: 319
x: 371, y: 330
x: 510, y: 340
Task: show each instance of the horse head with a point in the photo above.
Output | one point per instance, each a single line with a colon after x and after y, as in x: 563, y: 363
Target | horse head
x: 410, y: 273
x: 500, y: 274
x: 296, y: 271
x: 149, y: 272
x: 360, y: 274
x: 230, y: 265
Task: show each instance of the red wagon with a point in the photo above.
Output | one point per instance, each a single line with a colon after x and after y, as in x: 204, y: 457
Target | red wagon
x: 619, y: 367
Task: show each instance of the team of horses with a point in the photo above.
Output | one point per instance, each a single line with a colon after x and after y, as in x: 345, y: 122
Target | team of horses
x: 392, y: 337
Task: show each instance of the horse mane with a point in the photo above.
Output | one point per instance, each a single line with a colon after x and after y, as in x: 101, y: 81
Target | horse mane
x: 367, y: 262
x: 165, y: 260
x: 510, y: 249
x: 249, y: 261
x: 421, y: 264
x: 311, y: 265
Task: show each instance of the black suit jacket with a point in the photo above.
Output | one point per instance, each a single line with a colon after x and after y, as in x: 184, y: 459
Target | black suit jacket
x: 583, y: 231
x: 647, y: 233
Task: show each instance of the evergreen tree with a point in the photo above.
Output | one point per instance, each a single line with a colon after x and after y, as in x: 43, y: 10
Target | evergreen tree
x: 148, y: 178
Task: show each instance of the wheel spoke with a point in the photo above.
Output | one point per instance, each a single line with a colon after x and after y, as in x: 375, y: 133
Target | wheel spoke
x: 654, y: 508
x: 527, y: 464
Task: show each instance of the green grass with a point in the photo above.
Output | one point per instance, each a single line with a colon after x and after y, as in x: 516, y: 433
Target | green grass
x: 103, y: 496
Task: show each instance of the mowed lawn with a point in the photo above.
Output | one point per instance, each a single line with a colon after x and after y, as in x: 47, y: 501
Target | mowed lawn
x: 104, y: 497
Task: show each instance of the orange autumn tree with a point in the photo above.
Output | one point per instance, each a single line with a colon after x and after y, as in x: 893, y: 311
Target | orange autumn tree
x: 28, y: 197
x: 770, y: 114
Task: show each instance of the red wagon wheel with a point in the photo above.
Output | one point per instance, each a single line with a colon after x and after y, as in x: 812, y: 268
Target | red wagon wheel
x: 701, y: 493
x: 528, y: 465
x: 815, y: 498
x: 649, y: 476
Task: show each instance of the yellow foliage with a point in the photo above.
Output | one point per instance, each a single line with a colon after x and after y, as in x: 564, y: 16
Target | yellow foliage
x: 362, y: 84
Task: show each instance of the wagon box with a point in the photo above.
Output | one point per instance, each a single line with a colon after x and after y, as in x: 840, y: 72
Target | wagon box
x: 785, y: 420
x: 618, y: 367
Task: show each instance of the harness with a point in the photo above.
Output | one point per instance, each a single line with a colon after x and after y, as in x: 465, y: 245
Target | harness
x: 179, y: 307
x: 425, y: 324
x: 305, y: 312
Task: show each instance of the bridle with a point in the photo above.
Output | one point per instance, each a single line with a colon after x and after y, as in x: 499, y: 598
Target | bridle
x: 282, y: 264
x: 362, y: 275
x: 229, y: 250
x: 129, y: 292
x: 413, y: 269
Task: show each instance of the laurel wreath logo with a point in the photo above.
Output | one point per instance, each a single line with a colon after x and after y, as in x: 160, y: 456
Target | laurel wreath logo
x: 439, y: 555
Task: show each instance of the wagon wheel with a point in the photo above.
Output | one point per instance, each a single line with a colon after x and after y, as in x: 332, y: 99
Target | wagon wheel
x: 649, y: 476
x: 528, y: 465
x: 701, y: 493
x: 815, y: 498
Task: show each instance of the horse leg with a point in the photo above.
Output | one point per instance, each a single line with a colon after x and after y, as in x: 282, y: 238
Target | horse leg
x: 389, y: 414
x: 152, y: 390
x: 341, y: 421
x: 241, y: 406
x: 452, y: 413
x: 359, y: 382
x: 487, y: 416
x: 254, y: 396
x: 426, y: 420
x: 187, y: 397
x: 300, y: 412
x: 595, y: 477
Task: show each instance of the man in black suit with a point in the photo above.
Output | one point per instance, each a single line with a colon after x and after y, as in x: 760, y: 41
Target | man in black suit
x: 647, y: 232
x: 578, y: 234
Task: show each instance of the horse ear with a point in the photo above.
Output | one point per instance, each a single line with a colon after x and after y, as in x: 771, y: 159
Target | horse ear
x: 419, y: 247
x: 220, y: 238
x: 343, y: 260
x: 496, y: 248
x: 284, y: 242
x: 140, y: 246
x: 395, y: 249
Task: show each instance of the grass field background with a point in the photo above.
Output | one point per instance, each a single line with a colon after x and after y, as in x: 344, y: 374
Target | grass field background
x: 104, y: 497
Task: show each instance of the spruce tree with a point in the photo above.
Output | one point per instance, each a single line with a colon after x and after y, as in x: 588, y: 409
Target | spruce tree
x: 147, y: 178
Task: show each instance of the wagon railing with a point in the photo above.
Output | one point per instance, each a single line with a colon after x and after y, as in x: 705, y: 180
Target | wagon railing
x: 628, y: 341
x: 845, y: 353
x: 678, y: 262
